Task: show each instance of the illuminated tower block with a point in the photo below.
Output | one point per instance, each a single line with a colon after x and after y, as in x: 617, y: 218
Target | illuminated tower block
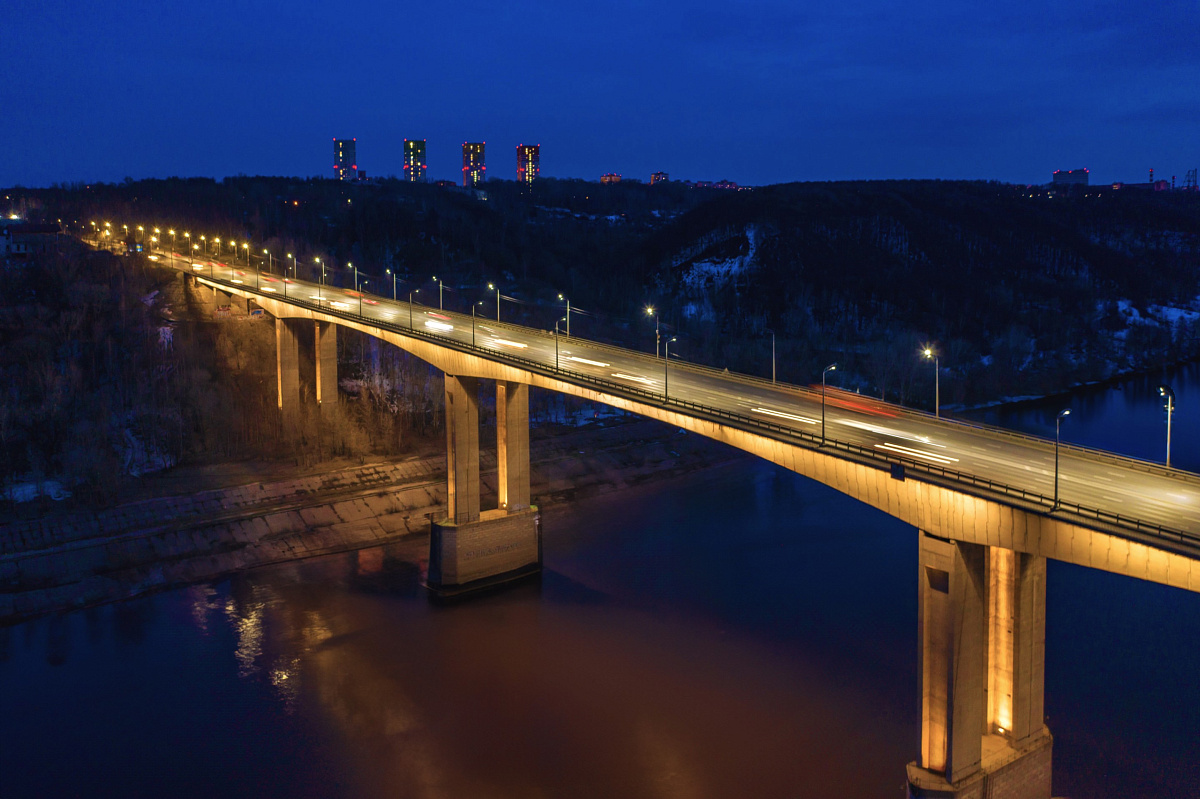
x: 345, y: 159
x: 528, y: 162
x: 473, y: 169
x: 414, y: 160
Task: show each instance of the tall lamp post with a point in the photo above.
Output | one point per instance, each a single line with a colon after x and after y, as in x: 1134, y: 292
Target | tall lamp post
x: 937, y: 391
x: 1165, y: 391
x: 390, y: 272
x: 172, y: 234
x: 473, y: 307
x: 824, y: 372
x: 657, y: 337
x: 439, y: 282
x: 270, y: 260
x: 355, y: 268
x: 410, y: 296
x: 1057, y: 439
x: 495, y: 288
x: 556, y: 342
x: 568, y: 316
x: 772, y: 357
x: 667, y: 363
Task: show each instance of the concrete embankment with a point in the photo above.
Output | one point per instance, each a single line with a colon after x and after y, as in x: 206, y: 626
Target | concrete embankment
x: 84, y: 558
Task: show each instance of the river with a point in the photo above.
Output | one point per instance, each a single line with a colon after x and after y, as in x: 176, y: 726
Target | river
x: 736, y: 632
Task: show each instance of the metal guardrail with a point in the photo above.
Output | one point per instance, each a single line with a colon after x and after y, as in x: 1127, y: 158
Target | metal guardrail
x: 749, y: 424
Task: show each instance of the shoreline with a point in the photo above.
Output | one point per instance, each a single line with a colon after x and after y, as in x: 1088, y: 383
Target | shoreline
x: 167, y: 542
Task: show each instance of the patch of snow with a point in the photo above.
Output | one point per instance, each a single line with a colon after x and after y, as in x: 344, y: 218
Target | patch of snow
x: 27, y: 490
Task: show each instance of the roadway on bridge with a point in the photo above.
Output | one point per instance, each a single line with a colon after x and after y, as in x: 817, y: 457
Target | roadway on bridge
x: 1088, y: 478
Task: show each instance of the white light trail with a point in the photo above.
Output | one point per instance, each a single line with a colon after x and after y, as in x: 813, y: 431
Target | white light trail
x: 918, y: 453
x: 634, y: 378
x: 585, y: 360
x: 783, y: 415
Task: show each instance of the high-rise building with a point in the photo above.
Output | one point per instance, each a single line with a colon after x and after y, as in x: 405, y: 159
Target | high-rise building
x: 1071, y: 177
x: 345, y: 159
x: 528, y: 162
x: 414, y: 160
x: 658, y: 177
x: 610, y: 177
x: 474, y: 170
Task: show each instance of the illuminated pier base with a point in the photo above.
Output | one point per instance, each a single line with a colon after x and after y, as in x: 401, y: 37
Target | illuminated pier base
x: 982, y: 620
x: 325, y: 355
x: 287, y: 366
x: 469, y: 548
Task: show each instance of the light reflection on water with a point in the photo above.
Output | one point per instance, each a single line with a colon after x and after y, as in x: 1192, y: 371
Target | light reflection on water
x: 739, y: 632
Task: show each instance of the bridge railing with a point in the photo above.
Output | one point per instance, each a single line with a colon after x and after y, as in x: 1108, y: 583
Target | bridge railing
x: 750, y: 424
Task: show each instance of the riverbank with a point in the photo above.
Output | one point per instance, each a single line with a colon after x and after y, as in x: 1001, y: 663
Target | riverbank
x: 83, y: 558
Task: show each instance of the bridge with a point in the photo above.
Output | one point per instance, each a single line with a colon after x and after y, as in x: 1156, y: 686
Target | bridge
x: 990, y: 505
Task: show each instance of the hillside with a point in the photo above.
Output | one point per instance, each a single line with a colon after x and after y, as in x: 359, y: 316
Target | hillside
x: 1020, y: 292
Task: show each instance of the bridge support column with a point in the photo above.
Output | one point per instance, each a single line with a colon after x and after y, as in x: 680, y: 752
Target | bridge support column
x: 325, y: 352
x: 469, y: 548
x: 287, y: 367
x: 512, y: 445
x: 982, y: 617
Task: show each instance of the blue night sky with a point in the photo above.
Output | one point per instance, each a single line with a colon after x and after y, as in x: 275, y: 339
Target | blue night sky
x: 759, y: 91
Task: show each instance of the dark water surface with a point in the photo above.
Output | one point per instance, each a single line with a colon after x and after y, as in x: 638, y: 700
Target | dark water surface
x: 740, y: 632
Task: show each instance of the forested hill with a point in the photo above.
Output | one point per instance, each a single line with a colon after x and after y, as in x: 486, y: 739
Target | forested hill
x: 1020, y: 292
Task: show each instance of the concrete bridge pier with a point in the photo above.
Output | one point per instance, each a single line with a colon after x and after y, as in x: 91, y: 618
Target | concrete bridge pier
x: 982, y: 621
x: 470, y: 548
x: 325, y: 355
x: 287, y: 366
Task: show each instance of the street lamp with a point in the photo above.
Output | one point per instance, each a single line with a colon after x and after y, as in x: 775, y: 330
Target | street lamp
x: 355, y: 268
x: 246, y: 252
x: 439, y: 282
x: 321, y: 281
x: 205, y: 244
x: 496, y: 289
x: 824, y: 372
x: 651, y: 312
x: 218, y: 243
x: 667, y: 362
x: 1057, y: 439
x: 937, y: 391
x: 410, y: 317
x: 772, y: 357
x: 556, y: 343
x: 473, y: 307
x: 1165, y: 391
x: 172, y: 234
x: 568, y: 316
x: 270, y: 260
x: 390, y: 272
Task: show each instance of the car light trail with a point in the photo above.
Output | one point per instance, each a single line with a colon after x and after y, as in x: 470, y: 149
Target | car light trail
x: 783, y: 415
x: 585, y: 360
x: 889, y: 431
x: 917, y: 453
x: 634, y: 378
x: 442, y: 326
x: 506, y: 343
